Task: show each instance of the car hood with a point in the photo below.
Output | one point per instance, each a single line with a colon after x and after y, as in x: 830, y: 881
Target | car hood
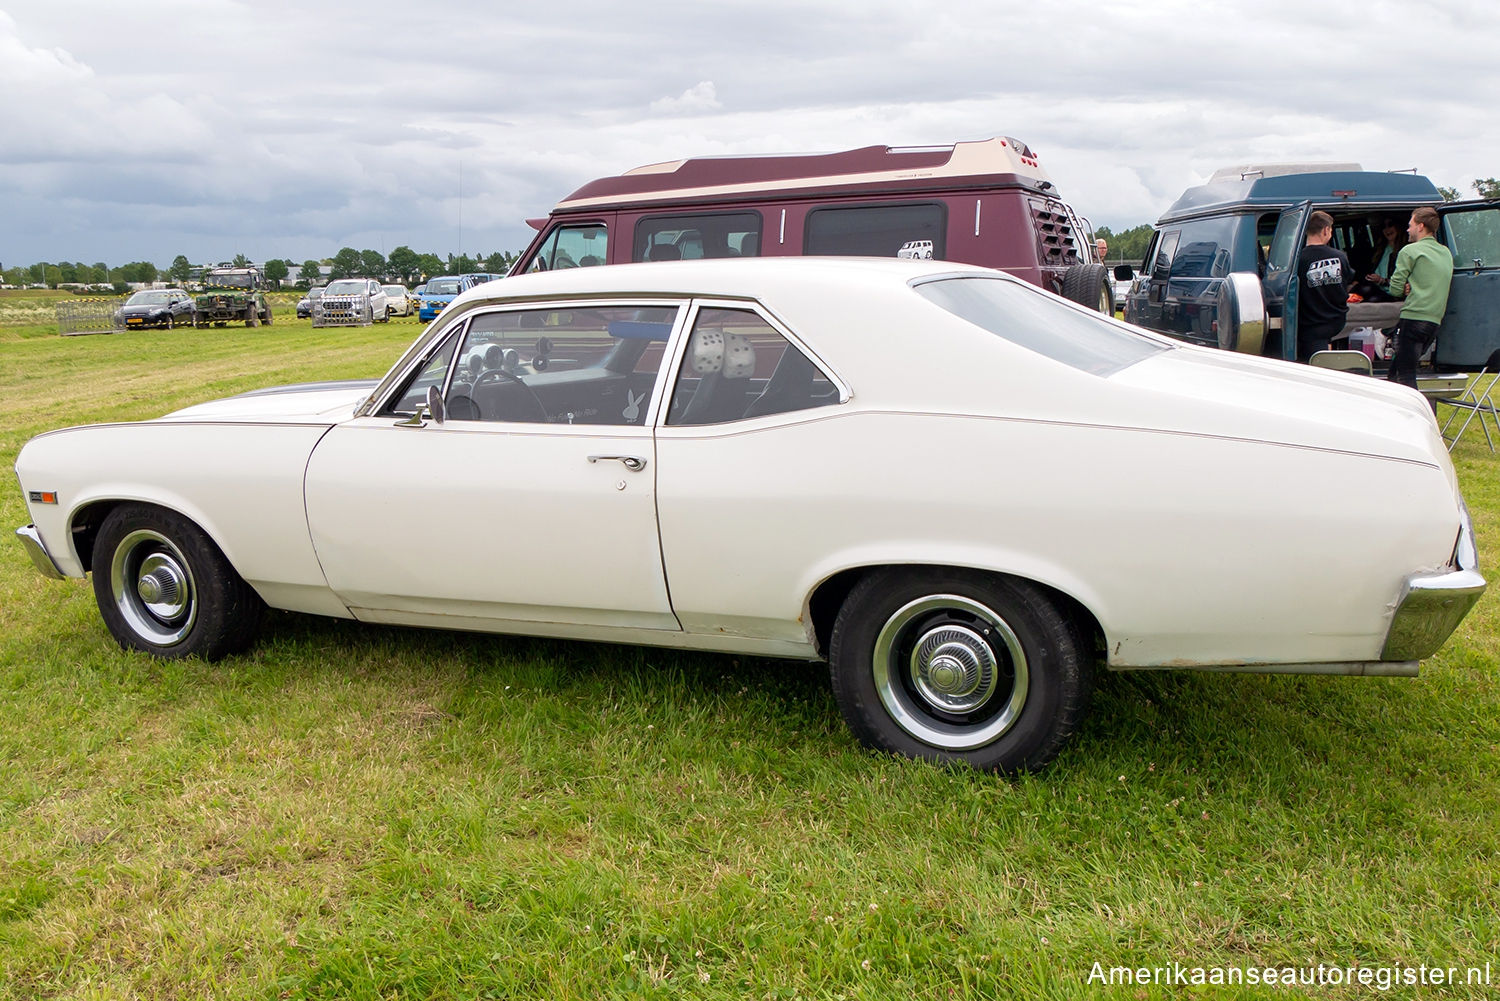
x: 305, y: 403
x: 1204, y: 391
x: 139, y: 310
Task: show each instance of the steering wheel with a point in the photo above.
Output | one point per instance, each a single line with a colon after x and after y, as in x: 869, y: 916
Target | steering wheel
x: 499, y: 375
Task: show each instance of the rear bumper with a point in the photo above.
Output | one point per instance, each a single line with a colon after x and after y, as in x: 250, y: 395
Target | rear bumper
x: 31, y: 541
x: 1432, y: 605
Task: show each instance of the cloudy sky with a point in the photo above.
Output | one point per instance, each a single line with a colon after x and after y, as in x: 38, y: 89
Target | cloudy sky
x: 143, y: 130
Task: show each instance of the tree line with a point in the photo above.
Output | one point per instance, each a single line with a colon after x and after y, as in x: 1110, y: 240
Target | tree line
x: 404, y: 265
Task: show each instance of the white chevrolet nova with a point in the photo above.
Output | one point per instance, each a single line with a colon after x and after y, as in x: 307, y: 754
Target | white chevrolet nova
x: 963, y: 492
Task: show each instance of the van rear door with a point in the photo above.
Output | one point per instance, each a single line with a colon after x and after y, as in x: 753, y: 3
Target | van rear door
x: 1471, y: 230
x: 1281, y: 278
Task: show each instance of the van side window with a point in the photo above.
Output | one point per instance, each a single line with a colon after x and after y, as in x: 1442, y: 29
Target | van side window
x: 689, y: 237
x: 1474, y: 237
x: 1166, y: 249
x: 875, y: 230
x: 572, y: 247
x: 1204, y: 248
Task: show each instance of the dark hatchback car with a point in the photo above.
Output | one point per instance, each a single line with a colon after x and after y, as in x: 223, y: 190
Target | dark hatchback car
x: 306, y: 303
x: 161, y: 307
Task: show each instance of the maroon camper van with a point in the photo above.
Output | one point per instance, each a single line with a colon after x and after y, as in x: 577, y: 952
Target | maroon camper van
x: 987, y: 203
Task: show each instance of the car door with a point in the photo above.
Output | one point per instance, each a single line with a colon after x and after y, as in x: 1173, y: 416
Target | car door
x: 1468, y: 334
x: 1155, y: 311
x: 533, y: 502
x: 1281, y: 276
x: 749, y: 482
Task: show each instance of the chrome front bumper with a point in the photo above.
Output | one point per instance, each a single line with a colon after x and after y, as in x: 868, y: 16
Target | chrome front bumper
x: 31, y: 541
x: 1432, y: 605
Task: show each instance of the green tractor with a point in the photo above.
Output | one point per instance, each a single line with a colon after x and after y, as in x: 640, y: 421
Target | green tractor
x: 232, y: 294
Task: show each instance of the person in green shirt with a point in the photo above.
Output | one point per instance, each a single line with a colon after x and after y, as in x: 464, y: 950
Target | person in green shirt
x: 1424, y: 269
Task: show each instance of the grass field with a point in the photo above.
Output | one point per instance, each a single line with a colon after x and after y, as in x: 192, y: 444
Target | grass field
x: 370, y: 813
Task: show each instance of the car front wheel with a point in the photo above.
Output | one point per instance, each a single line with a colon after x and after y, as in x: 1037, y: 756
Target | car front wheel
x: 959, y: 666
x: 164, y: 588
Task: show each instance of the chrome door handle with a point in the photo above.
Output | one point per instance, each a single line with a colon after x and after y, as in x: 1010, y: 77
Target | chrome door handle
x: 634, y: 463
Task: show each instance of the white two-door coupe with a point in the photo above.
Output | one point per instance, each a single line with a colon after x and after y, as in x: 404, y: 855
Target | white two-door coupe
x: 964, y: 492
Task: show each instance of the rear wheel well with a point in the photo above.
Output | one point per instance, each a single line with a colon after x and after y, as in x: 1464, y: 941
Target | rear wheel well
x: 829, y: 597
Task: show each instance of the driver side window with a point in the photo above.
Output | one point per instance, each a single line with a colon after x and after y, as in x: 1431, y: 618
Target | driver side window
x: 594, y: 365
x: 572, y: 247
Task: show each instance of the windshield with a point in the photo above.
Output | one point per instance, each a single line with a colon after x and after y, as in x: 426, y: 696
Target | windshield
x: 443, y: 286
x: 231, y: 281
x: 345, y: 287
x: 395, y: 290
x: 149, y: 299
x: 1033, y: 320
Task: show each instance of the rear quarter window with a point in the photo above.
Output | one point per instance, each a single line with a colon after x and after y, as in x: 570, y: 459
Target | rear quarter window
x: 1028, y: 318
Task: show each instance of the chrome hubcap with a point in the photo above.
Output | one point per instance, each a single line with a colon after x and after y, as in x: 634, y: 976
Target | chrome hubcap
x: 153, y: 587
x: 950, y: 671
x: 952, y: 667
x: 162, y: 587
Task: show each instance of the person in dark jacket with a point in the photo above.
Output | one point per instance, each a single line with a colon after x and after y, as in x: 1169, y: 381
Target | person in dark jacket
x: 1323, y: 277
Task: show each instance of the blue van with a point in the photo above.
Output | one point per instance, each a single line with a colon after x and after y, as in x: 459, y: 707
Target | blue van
x: 1221, y: 267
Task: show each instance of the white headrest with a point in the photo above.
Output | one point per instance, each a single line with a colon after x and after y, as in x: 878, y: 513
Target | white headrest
x: 730, y: 354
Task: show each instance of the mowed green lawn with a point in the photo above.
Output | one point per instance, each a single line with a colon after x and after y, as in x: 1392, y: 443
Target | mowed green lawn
x: 372, y: 813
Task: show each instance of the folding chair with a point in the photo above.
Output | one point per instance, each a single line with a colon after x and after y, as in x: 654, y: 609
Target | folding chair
x: 1475, y: 403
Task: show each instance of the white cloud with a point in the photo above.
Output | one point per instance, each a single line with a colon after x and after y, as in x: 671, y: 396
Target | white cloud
x: 136, y: 132
x: 696, y: 99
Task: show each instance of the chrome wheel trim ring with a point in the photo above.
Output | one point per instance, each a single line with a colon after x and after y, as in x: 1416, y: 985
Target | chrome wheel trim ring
x: 153, y: 587
x: 950, y: 675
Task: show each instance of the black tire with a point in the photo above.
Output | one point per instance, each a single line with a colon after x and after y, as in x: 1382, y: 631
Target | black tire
x: 252, y: 317
x: 1088, y: 285
x: 199, y: 323
x: 164, y: 588
x: 959, y: 666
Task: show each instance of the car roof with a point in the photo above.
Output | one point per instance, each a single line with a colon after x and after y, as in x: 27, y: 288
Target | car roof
x: 1277, y: 191
x: 999, y: 161
x: 718, y: 277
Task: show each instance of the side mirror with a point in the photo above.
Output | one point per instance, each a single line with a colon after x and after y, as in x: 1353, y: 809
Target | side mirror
x: 435, y: 404
x: 1124, y: 273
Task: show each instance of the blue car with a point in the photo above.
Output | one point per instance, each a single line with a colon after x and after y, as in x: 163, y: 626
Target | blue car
x: 438, y: 293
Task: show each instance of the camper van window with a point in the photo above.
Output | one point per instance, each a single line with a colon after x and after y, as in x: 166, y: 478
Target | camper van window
x: 875, y: 230
x: 1474, y: 237
x: 1204, y: 248
x: 688, y: 237
x: 1166, y: 250
x: 573, y: 247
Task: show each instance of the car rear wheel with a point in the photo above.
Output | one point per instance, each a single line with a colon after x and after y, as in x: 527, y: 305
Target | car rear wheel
x: 164, y: 588
x: 958, y: 666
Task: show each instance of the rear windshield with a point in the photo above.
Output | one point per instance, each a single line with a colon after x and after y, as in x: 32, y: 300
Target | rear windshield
x: 1033, y: 320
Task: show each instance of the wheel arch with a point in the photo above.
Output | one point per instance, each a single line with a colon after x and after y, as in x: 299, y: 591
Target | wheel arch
x: 828, y: 597
x: 83, y: 524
